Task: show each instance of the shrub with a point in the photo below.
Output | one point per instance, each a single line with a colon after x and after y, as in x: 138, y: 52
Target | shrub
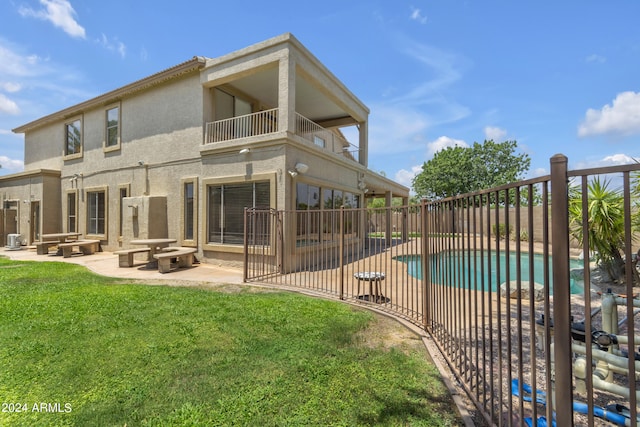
x: 500, y: 231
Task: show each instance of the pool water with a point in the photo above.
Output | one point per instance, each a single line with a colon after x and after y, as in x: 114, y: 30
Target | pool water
x: 465, y: 268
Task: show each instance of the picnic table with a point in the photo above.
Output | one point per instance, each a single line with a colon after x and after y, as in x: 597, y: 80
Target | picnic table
x: 155, y: 246
x: 52, y: 239
x: 60, y: 237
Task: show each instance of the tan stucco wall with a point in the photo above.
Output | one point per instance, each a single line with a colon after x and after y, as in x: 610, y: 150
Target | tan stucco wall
x: 26, y: 189
x: 43, y: 148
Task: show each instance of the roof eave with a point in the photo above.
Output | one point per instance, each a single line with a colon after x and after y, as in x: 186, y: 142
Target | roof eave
x: 197, y: 62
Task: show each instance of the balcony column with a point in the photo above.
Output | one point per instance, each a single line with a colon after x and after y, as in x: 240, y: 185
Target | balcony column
x: 388, y: 202
x: 287, y: 94
x: 363, y: 144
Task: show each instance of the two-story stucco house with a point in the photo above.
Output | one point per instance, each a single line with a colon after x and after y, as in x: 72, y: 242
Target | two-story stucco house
x: 180, y: 153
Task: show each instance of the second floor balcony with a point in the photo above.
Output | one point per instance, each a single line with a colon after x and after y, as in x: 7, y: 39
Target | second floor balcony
x: 266, y: 122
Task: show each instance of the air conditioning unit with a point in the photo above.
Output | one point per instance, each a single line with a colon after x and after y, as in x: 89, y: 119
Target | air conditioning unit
x: 14, y: 242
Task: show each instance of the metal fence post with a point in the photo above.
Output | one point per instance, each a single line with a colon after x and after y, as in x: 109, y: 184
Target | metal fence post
x: 341, y: 255
x: 426, y: 275
x: 245, y: 267
x: 561, y: 293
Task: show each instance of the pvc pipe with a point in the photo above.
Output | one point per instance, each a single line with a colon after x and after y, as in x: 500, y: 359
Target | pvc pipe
x: 623, y: 301
x: 619, y: 361
x: 580, y: 368
x: 609, y: 314
x: 624, y: 339
x: 613, y: 388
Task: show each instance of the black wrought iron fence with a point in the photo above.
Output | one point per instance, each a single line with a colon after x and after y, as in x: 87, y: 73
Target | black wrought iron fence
x: 512, y: 284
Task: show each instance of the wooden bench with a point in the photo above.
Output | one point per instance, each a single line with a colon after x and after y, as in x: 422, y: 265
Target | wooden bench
x: 125, y: 256
x: 42, y: 248
x: 87, y: 247
x: 183, y: 256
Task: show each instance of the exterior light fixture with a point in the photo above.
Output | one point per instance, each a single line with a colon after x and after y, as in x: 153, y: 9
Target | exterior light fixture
x: 300, y: 168
x: 245, y: 151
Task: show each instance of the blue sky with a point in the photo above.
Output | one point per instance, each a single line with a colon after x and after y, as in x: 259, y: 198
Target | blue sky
x: 556, y: 76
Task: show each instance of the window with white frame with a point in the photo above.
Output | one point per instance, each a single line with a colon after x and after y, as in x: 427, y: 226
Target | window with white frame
x: 112, y: 132
x: 189, y: 210
x: 72, y: 212
x: 73, y: 138
x: 96, y: 212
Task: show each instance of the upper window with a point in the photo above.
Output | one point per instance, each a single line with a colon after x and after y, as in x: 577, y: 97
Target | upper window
x: 112, y: 132
x: 73, y: 138
x: 320, y: 142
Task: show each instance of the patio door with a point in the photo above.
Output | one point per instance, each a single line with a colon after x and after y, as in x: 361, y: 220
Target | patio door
x: 228, y: 106
x: 9, y: 220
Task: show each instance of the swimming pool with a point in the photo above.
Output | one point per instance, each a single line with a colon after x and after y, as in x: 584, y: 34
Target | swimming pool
x: 465, y: 267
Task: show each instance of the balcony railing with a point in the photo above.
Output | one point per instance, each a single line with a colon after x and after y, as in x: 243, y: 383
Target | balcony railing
x: 260, y: 123
x: 266, y: 122
x: 322, y: 137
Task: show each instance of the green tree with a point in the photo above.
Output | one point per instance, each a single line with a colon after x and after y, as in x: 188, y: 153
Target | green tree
x: 605, y: 214
x: 458, y: 170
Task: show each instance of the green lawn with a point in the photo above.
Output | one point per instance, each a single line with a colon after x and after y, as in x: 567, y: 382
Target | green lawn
x: 97, y: 352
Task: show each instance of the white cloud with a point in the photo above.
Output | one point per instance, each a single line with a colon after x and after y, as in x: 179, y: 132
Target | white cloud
x: 617, y: 159
x: 14, y: 64
x: 11, y: 165
x: 611, y: 160
x: 396, y: 128
x: 8, y: 106
x: 416, y: 15
x: 444, y: 66
x: 60, y: 13
x: 444, y: 142
x: 622, y: 117
x: 400, y: 124
x: 494, y: 133
x: 539, y: 172
x: 11, y: 87
x: 405, y: 177
x: 113, y: 46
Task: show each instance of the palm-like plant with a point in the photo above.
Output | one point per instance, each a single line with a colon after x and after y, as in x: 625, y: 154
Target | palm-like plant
x: 635, y: 194
x: 605, y: 212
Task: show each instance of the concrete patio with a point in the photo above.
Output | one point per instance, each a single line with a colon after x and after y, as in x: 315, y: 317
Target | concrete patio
x: 106, y: 264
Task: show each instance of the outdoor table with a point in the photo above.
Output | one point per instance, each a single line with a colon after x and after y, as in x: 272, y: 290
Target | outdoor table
x: 155, y: 245
x: 371, y: 277
x: 60, y: 237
